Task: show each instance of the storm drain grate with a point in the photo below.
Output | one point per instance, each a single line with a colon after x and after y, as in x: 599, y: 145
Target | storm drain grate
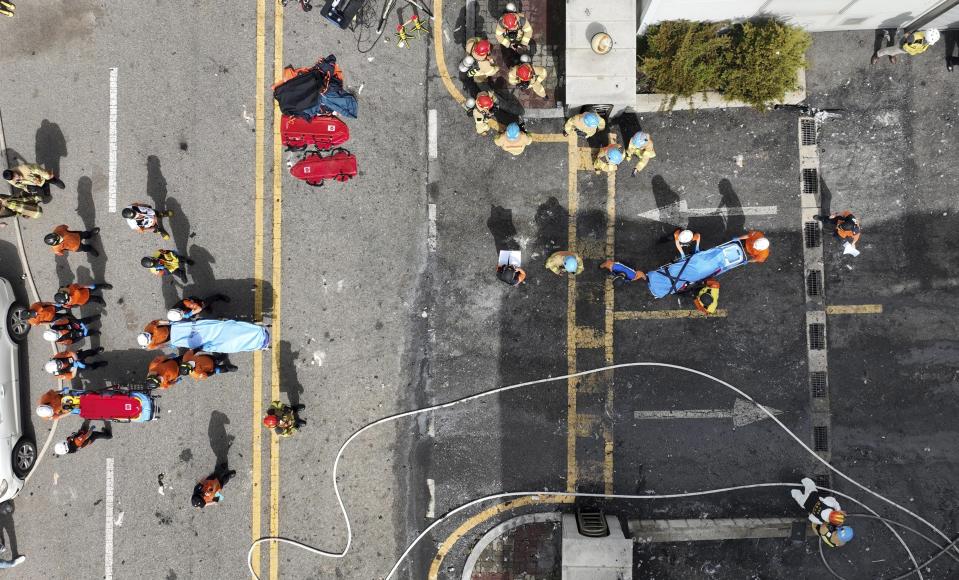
x: 807, y: 128
x: 814, y: 283
x: 820, y: 438
x: 812, y: 233
x: 817, y: 382
x: 817, y: 336
x: 592, y: 523
x: 810, y: 180
x: 822, y: 480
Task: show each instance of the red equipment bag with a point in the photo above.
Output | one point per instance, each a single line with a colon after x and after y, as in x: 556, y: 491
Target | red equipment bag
x: 339, y: 164
x: 324, y: 131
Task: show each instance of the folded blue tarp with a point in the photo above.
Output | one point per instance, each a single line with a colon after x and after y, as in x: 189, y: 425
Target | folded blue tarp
x: 695, y: 268
x: 224, y: 336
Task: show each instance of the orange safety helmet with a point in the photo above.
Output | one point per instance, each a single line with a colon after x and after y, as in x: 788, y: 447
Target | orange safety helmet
x: 510, y: 21
x: 481, y: 48
x: 270, y: 421
x: 837, y: 517
x: 525, y: 72
x: 484, y: 102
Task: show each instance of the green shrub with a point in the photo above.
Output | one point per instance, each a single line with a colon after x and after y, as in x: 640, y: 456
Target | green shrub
x: 683, y: 58
x: 763, y: 65
x: 755, y: 62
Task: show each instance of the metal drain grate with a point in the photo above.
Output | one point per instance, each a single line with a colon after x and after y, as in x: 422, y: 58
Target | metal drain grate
x: 592, y: 523
x: 822, y: 480
x: 820, y: 438
x: 812, y: 233
x: 602, y: 110
x: 817, y: 336
x: 810, y: 180
x: 814, y: 283
x: 807, y: 129
x: 817, y: 383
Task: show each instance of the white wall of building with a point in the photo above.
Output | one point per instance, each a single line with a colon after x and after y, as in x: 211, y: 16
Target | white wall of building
x: 813, y: 15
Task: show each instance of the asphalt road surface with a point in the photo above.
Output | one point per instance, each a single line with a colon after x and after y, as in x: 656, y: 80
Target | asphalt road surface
x: 382, y: 298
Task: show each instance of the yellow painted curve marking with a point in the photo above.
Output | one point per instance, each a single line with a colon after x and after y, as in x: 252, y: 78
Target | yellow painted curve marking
x: 440, y: 52
x: 666, y: 314
x: 854, y: 309
x: 484, y: 516
x: 609, y: 316
x: 256, y: 493
x: 277, y: 281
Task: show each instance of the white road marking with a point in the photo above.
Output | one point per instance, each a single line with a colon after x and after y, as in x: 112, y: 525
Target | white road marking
x: 112, y: 187
x: 431, y: 508
x: 432, y: 129
x: 680, y: 209
x: 431, y: 234
x: 108, y: 524
x: 742, y: 413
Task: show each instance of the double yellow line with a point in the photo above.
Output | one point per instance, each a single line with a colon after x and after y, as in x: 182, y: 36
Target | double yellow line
x: 256, y: 496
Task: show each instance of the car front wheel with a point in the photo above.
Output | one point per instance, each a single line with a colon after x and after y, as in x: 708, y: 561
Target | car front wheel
x: 18, y: 322
x: 24, y: 456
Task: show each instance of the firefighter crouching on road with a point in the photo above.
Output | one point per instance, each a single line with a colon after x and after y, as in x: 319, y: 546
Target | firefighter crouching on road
x: 585, y: 124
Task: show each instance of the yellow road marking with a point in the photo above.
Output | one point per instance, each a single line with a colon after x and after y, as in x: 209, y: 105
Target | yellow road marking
x: 665, y: 314
x: 440, y: 52
x: 277, y: 281
x: 484, y: 516
x: 588, y: 337
x: 854, y: 309
x: 572, y: 207
x: 257, y: 443
x: 548, y: 137
x: 608, y: 296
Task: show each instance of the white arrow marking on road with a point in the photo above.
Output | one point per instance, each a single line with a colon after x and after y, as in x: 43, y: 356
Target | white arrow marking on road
x: 742, y: 413
x: 724, y: 211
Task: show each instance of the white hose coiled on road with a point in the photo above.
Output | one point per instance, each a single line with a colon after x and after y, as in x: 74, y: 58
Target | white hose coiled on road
x: 431, y: 408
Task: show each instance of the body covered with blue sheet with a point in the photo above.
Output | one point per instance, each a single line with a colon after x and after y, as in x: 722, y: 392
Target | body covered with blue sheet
x: 221, y: 336
x: 696, y: 268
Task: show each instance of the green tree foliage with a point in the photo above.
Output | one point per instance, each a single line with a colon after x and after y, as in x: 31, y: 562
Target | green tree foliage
x: 755, y: 62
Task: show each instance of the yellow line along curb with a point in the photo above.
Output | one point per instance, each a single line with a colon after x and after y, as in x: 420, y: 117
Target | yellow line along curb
x: 440, y: 52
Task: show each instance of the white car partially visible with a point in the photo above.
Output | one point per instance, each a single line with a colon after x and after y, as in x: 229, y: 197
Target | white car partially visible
x: 17, y: 453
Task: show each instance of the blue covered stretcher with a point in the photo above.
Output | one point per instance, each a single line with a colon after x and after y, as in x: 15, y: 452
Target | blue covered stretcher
x: 222, y: 336
x: 696, y: 268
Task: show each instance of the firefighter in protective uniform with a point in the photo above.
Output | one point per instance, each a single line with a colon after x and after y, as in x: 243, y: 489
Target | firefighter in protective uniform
x: 513, y: 29
x: 527, y: 76
x: 481, y: 109
x: 478, y: 64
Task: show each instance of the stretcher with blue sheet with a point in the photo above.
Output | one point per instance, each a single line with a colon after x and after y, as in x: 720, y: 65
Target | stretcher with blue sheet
x: 696, y: 268
x: 222, y: 336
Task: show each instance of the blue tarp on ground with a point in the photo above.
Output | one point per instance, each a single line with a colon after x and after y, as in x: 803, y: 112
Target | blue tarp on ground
x: 696, y: 268
x: 223, y: 336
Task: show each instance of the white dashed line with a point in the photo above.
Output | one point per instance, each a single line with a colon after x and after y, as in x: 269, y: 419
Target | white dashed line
x: 431, y: 508
x: 431, y: 235
x: 108, y: 523
x: 431, y: 121
x: 112, y: 187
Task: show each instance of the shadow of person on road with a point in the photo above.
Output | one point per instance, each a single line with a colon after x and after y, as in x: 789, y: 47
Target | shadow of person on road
x: 735, y: 221
x: 500, y: 224
x: 289, y: 378
x: 88, y: 213
x: 8, y: 534
x: 51, y: 147
x: 220, y: 440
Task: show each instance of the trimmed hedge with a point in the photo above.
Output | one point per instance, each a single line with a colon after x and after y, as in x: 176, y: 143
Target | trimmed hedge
x: 755, y: 62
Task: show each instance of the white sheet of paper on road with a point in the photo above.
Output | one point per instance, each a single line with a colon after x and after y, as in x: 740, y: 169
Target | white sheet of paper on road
x: 850, y: 249
x: 510, y: 257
